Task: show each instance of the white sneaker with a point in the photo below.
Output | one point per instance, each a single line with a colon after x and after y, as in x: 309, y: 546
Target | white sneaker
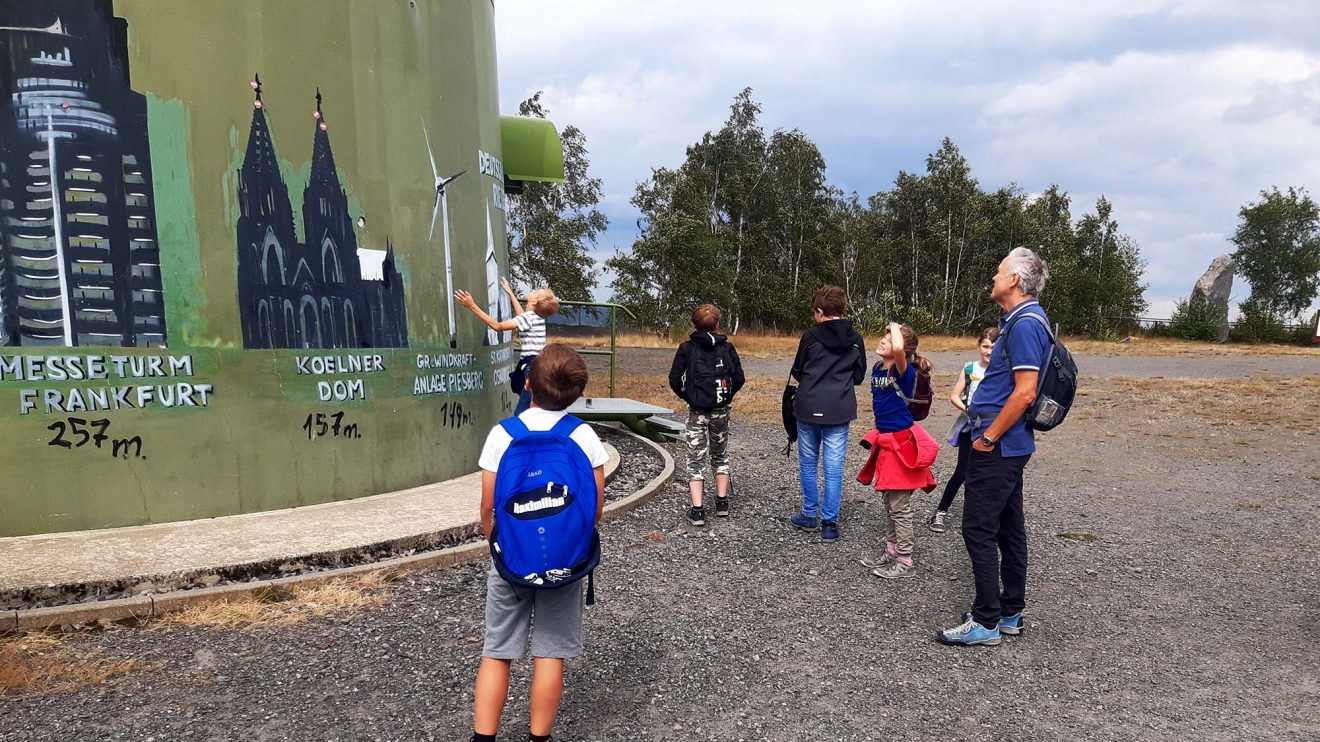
x: 936, y: 522
x: 885, y: 558
x: 895, y: 570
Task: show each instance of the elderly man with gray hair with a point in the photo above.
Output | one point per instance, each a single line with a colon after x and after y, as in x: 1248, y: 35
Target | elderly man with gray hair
x: 994, y: 529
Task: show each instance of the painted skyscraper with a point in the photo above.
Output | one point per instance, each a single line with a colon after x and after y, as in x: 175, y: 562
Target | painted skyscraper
x: 79, y: 260
x: 324, y: 293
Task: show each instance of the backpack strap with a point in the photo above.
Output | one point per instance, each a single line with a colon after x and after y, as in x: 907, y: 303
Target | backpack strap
x: 898, y: 383
x: 1003, y: 348
x: 566, y: 425
x: 514, y: 427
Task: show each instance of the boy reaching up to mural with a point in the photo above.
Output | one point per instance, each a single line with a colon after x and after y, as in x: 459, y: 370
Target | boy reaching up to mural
x: 530, y: 324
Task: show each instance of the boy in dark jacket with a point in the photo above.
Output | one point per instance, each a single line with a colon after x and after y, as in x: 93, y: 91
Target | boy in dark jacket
x: 706, y: 373
x: 830, y: 362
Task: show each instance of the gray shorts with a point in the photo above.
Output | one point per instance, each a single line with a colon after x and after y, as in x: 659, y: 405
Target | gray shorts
x: 553, y: 617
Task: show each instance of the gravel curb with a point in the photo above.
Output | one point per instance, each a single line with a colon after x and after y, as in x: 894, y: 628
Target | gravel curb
x: 149, y: 606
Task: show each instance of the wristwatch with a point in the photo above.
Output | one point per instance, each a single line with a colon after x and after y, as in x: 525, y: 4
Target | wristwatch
x: 987, y: 442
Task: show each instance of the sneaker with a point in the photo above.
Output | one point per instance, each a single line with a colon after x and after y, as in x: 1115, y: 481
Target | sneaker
x: 895, y: 570
x: 722, y: 507
x: 936, y: 522
x: 803, y: 522
x: 969, y: 633
x: 829, y: 530
x: 885, y: 558
x: 697, y: 516
x: 1011, y: 625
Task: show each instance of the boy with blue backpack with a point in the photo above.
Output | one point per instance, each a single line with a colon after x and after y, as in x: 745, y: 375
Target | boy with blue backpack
x: 542, y: 493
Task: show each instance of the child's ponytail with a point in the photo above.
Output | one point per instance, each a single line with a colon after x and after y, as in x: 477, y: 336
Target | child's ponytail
x: 914, y: 358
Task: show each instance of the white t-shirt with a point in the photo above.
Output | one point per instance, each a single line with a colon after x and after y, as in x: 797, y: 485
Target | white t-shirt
x: 537, y: 419
x: 976, y: 372
x: 531, y: 332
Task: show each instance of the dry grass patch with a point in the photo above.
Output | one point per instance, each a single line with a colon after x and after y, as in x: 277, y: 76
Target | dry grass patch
x: 280, y: 607
x: 1262, y: 400
x: 43, y: 663
x: 759, y: 399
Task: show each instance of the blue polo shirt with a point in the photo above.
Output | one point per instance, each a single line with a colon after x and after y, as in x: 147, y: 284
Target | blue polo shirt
x: 1028, y: 346
x: 891, y: 412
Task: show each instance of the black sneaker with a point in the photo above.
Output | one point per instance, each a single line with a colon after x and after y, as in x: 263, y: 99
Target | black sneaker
x: 722, y: 507
x: 697, y: 516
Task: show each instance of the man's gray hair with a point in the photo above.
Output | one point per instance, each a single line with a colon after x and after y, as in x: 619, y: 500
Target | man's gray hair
x: 1032, y: 272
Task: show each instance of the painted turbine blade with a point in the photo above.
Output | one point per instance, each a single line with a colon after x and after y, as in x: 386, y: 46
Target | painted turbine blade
x: 434, y: 172
x: 434, y: 210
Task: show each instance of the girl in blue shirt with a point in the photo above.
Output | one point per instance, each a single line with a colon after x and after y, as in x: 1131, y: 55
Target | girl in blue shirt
x: 893, y: 383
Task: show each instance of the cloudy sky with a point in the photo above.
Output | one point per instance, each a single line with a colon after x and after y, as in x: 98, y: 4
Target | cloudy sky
x: 1179, y: 111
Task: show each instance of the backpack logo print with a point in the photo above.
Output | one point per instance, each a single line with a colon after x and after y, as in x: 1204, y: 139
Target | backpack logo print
x: 541, y: 502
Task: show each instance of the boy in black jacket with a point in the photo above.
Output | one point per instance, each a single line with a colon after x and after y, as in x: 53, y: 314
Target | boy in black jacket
x: 831, y: 360
x: 706, y: 373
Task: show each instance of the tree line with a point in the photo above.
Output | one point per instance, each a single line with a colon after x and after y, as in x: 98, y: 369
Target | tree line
x: 750, y: 222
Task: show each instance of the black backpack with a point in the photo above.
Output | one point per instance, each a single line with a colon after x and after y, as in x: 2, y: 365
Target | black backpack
x: 1057, y: 384
x: 709, y: 382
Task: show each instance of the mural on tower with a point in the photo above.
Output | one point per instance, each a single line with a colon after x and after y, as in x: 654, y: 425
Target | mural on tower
x: 79, y: 259
x: 303, y: 231
x: 325, y: 292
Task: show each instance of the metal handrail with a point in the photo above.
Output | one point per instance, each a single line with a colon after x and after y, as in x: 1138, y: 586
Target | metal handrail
x: 613, y: 352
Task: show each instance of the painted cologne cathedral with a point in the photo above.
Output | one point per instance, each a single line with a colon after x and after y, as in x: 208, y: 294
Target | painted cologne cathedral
x: 79, y: 261
x: 325, y: 292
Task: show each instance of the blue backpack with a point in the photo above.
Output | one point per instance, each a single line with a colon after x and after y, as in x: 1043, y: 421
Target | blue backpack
x: 545, y: 509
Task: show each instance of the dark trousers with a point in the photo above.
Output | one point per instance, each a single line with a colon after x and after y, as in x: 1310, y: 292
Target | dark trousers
x: 518, y: 382
x: 959, y: 471
x: 995, y: 533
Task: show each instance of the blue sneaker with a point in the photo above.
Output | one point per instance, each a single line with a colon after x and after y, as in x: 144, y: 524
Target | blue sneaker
x: 1011, y: 625
x: 803, y: 522
x: 829, y: 530
x: 969, y: 633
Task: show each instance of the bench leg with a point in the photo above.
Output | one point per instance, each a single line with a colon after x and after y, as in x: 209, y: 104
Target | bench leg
x: 638, y: 425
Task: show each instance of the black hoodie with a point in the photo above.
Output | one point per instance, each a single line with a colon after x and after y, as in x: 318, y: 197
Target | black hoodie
x: 831, y: 360
x: 708, y: 343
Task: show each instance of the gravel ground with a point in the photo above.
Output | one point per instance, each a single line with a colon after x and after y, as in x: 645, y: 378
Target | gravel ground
x: 1192, y: 615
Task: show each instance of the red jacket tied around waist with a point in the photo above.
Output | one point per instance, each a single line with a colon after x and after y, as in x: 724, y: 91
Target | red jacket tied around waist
x: 900, y: 461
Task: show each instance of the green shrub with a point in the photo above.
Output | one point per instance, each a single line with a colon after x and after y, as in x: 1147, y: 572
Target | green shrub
x: 1196, y: 318
x: 1257, y: 326
x: 922, y: 321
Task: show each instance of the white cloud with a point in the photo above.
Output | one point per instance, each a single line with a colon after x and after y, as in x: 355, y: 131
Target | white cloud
x: 1179, y: 111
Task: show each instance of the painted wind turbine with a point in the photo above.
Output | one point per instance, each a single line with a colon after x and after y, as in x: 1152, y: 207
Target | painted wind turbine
x: 442, y: 207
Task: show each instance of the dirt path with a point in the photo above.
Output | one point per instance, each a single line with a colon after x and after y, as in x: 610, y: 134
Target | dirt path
x: 1192, y: 614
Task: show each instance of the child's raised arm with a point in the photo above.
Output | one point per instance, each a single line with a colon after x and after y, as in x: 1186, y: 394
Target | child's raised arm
x: 513, y: 297
x: 899, y: 351
x: 464, y: 298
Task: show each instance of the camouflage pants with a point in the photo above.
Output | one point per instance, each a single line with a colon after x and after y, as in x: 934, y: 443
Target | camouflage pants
x: 707, y: 435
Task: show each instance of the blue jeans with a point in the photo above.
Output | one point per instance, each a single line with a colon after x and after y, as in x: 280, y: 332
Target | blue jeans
x: 835, y: 440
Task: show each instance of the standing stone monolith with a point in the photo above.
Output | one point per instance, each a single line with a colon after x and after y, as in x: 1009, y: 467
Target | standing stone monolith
x: 1214, y: 287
